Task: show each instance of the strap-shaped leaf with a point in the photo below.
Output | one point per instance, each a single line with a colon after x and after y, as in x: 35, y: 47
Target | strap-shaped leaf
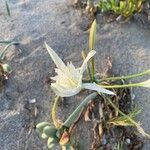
x: 77, y: 111
x: 92, y: 35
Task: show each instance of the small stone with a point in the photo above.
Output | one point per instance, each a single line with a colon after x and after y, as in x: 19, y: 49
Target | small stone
x: 32, y: 101
x: 104, y: 141
x: 128, y: 141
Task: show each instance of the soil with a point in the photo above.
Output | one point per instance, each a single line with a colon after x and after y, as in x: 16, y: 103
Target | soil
x: 60, y: 25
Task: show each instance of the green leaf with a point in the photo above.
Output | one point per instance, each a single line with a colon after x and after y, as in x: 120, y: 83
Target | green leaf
x: 92, y: 37
x: 77, y: 111
x: 50, y: 131
x: 7, y: 7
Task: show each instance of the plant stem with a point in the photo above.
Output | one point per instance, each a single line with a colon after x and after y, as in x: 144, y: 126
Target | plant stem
x: 121, y: 86
x: 127, y: 77
x: 93, y: 69
x: 76, y: 112
x: 88, y: 68
x: 54, y: 111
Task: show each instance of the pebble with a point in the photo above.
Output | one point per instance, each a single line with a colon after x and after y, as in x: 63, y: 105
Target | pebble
x: 128, y: 141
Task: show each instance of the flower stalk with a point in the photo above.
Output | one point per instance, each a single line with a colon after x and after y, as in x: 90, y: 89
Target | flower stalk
x: 88, y: 68
x: 141, y: 84
x: 56, y: 122
x: 127, y: 77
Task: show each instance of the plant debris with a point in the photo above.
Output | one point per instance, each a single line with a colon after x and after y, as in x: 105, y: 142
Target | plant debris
x: 107, y: 135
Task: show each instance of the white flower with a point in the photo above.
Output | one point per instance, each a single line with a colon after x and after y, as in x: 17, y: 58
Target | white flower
x: 145, y: 83
x: 69, y: 79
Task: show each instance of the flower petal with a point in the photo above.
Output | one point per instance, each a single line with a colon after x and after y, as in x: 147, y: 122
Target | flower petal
x: 84, y: 65
x: 57, y: 60
x: 95, y: 87
x: 75, y: 73
x: 64, y: 78
x: 145, y: 83
x: 63, y: 91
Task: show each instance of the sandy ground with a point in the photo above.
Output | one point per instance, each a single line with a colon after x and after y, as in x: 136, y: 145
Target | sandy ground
x: 58, y: 24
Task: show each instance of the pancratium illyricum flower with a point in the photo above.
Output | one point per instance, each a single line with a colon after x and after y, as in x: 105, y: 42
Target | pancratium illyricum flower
x: 69, y: 79
x: 145, y: 84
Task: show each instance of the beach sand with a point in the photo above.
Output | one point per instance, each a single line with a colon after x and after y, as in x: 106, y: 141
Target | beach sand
x: 33, y: 22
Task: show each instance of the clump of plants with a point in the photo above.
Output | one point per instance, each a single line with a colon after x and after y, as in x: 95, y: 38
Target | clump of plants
x: 121, y: 10
x: 107, y: 106
x: 5, y: 68
x: 125, y: 8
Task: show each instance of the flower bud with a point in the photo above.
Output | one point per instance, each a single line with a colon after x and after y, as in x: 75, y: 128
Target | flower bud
x: 145, y: 84
x: 6, y: 68
x: 51, y: 146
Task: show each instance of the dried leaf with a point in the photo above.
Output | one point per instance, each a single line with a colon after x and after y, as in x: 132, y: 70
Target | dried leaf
x: 64, y: 138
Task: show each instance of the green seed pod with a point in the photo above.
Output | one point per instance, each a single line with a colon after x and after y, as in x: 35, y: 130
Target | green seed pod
x: 60, y: 132
x: 52, y: 140
x: 50, y: 131
x: 6, y: 68
x: 40, y: 126
x: 51, y: 146
x: 44, y: 136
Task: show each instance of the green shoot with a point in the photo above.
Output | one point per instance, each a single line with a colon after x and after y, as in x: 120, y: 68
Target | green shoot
x: 92, y: 38
x: 6, y: 42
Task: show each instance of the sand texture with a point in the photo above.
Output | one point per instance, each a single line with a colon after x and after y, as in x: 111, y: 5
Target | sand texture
x: 31, y: 23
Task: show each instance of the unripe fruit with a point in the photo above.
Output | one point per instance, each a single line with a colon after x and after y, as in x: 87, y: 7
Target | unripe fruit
x: 51, y: 146
x: 44, y: 136
x: 52, y: 140
x: 50, y: 131
x: 40, y: 126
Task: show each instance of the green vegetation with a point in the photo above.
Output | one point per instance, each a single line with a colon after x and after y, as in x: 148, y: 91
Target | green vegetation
x: 125, y: 8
